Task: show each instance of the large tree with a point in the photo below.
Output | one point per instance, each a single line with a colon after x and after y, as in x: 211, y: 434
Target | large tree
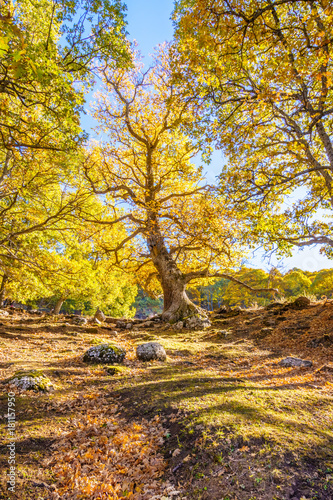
x: 176, y: 228
x: 50, y: 51
x: 264, y: 70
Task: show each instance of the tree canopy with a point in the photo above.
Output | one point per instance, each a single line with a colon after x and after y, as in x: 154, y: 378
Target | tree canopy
x: 264, y: 73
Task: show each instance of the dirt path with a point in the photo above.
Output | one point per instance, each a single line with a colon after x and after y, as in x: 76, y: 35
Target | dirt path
x: 219, y: 420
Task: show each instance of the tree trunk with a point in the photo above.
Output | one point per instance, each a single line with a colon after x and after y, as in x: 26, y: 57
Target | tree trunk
x: 2, y: 289
x: 177, y: 305
x: 58, y: 305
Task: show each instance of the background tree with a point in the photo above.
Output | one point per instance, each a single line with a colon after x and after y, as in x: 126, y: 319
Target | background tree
x: 49, y: 55
x: 177, y: 229
x: 322, y: 283
x: 264, y: 71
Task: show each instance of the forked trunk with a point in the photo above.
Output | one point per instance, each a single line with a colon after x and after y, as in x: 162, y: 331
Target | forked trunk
x: 58, y: 305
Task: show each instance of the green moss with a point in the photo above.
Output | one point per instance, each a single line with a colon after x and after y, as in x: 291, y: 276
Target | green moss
x: 116, y: 370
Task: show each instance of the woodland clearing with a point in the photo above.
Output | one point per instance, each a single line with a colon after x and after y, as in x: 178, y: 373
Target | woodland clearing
x: 219, y: 419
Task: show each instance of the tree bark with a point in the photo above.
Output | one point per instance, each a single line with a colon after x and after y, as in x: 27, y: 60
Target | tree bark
x: 58, y: 305
x: 177, y: 305
x: 2, y: 289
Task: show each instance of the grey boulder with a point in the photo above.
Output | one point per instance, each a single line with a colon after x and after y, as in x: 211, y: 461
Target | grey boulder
x: 292, y: 362
x: 150, y: 351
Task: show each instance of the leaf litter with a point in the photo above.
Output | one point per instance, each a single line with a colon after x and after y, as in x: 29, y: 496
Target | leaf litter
x: 106, y: 457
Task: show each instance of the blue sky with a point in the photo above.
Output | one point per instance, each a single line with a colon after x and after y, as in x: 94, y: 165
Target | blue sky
x: 149, y: 24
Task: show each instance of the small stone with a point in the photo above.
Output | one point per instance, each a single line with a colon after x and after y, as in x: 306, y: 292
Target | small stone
x: 222, y: 310
x: 292, y: 362
x: 147, y: 324
x: 82, y: 321
x: 150, y: 351
x: 179, y: 325
x: 197, y: 323
x: 105, y: 353
x: 121, y: 324
x: 129, y: 326
x: 99, y: 315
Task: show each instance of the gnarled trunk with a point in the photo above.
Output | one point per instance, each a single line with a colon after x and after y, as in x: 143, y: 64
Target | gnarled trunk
x: 58, y: 305
x: 177, y: 305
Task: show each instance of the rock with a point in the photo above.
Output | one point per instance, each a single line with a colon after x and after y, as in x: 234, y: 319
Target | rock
x: 227, y: 312
x: 325, y: 341
x: 31, y: 380
x: 179, y: 325
x: 291, y: 362
x: 197, y: 323
x: 121, y: 324
x: 150, y: 351
x: 129, y: 326
x: 300, y: 303
x: 104, y: 353
x: 100, y: 315
x: 147, y: 324
x: 79, y: 320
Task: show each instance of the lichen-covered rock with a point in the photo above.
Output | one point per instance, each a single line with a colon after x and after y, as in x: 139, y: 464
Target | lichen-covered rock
x: 105, y: 353
x: 31, y: 380
x: 291, y: 362
x: 150, y: 351
x: 99, y: 315
x: 197, y: 323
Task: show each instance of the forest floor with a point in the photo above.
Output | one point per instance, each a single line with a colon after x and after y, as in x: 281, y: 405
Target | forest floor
x: 218, y: 420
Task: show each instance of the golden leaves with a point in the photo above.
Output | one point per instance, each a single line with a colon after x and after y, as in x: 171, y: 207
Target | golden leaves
x: 107, y: 457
